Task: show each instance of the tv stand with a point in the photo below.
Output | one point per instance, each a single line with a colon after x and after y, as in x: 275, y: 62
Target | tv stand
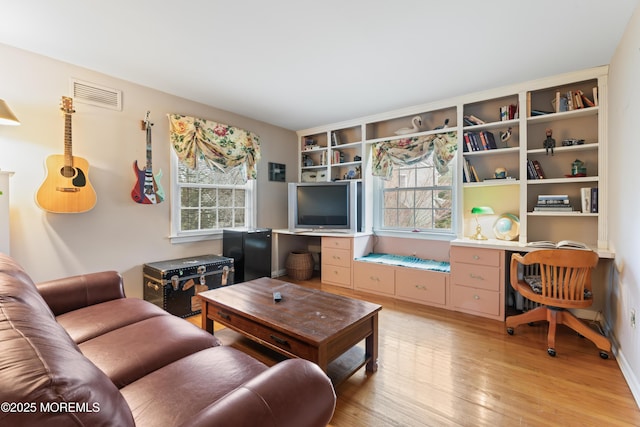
x: 337, y: 251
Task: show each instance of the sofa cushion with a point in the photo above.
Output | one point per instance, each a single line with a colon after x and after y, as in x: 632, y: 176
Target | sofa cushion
x: 133, y: 351
x: 43, y: 367
x: 175, y: 393
x: 95, y: 320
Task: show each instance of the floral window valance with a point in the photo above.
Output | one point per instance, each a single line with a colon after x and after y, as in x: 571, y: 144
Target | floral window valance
x: 408, y: 151
x: 219, y: 145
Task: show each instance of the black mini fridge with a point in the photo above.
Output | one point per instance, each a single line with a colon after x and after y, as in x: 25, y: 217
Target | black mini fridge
x: 250, y: 250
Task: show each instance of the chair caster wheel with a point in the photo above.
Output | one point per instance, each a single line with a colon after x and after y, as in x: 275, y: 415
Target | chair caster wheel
x: 510, y: 331
x: 604, y: 355
x: 552, y: 352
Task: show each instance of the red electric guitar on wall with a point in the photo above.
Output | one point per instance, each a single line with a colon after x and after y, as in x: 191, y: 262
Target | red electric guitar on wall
x: 147, y: 189
x: 66, y: 188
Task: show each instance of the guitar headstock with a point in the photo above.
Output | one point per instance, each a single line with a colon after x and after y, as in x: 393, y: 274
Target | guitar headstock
x: 67, y: 105
x: 146, y: 124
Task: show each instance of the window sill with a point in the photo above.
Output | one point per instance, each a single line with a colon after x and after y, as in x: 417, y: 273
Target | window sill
x: 190, y: 238
x: 426, y: 235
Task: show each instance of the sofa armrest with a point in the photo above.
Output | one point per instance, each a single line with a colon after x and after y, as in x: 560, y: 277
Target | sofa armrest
x: 293, y: 393
x: 71, y: 293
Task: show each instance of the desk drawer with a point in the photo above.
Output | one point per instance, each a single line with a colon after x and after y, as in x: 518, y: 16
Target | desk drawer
x: 339, y: 257
x: 336, y: 275
x: 487, y: 257
x: 261, y: 333
x: 336, y: 243
x: 375, y: 278
x: 476, y: 300
x: 421, y: 286
x: 476, y: 276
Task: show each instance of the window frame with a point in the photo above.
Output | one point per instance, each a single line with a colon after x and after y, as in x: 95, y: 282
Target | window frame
x: 430, y: 234
x: 179, y: 236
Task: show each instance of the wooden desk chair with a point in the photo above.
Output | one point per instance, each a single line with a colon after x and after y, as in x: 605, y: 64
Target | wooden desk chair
x: 564, y: 282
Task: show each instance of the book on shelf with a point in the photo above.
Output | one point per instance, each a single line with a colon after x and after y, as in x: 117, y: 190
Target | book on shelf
x: 552, y: 208
x: 465, y: 171
x: 585, y: 100
x: 534, y: 170
x: 474, y: 174
x: 538, y: 167
x: 552, y: 199
x: 562, y: 244
x: 540, y: 113
x: 585, y: 199
x: 594, y: 200
x: 472, y: 120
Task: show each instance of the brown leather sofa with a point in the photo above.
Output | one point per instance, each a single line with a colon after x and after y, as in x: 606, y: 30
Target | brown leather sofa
x: 76, y: 352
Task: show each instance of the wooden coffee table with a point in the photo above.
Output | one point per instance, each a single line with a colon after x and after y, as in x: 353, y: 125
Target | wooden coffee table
x: 308, y: 323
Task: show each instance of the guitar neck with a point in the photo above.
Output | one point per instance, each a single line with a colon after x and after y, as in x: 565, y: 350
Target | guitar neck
x: 68, y: 154
x: 149, y: 166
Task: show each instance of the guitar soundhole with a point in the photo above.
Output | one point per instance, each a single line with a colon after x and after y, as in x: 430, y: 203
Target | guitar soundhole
x: 68, y: 171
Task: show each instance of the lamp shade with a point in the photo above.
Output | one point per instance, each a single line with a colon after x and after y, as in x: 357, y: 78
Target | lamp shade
x: 481, y: 210
x: 6, y: 115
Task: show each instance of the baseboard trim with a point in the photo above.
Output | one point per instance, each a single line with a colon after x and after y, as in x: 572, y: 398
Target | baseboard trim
x: 627, y: 372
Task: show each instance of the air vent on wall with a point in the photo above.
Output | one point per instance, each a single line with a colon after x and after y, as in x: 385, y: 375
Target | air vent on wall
x: 100, y: 96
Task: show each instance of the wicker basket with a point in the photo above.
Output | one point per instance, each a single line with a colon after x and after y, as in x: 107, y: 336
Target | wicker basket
x: 300, y: 265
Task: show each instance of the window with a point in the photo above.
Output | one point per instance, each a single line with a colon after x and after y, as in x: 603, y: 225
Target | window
x: 207, y: 200
x: 416, y: 198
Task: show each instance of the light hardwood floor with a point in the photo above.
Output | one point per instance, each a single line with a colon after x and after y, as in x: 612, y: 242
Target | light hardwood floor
x: 442, y: 368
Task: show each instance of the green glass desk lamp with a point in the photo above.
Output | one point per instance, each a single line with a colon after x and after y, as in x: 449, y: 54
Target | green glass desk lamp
x: 480, y: 210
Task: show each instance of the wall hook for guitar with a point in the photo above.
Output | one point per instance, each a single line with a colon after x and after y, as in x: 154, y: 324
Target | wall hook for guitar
x: 147, y: 189
x: 66, y: 188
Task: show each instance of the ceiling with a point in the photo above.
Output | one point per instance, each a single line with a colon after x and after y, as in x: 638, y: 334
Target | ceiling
x: 299, y: 64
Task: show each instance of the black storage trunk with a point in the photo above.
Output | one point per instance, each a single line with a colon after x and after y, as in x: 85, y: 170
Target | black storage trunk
x: 172, y: 285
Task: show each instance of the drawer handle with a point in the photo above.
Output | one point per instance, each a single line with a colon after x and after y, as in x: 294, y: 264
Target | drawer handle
x: 476, y: 297
x: 476, y: 257
x: 154, y: 286
x: 280, y: 341
x: 473, y: 276
x: 421, y: 287
x: 336, y: 257
x: 225, y: 316
x: 374, y: 279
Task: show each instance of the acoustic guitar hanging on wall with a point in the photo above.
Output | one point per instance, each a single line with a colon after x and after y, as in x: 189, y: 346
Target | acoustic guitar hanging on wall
x: 66, y: 188
x: 147, y: 189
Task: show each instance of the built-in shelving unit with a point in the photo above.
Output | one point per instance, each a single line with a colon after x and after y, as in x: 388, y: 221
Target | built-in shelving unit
x: 525, y: 112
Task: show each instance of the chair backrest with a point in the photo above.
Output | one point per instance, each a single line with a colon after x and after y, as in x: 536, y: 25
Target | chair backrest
x: 565, y: 274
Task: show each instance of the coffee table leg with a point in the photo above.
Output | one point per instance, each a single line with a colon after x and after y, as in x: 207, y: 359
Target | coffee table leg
x: 207, y: 324
x: 371, y: 344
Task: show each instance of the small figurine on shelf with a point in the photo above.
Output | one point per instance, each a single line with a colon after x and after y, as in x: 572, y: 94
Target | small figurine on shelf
x: 549, y: 143
x: 444, y: 126
x: 505, y: 136
x: 416, y: 123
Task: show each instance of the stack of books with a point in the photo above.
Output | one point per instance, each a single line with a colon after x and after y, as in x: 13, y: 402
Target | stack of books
x: 553, y: 203
x: 534, y: 170
x: 589, y: 200
x: 508, y: 112
x: 479, y: 141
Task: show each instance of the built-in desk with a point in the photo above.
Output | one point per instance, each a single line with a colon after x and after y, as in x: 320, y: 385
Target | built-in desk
x: 336, y: 251
x: 480, y: 277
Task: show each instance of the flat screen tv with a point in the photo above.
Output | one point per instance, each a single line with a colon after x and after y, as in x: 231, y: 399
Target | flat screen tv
x: 323, y: 206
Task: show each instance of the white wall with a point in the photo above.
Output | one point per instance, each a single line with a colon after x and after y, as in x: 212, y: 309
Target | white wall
x: 624, y: 200
x: 118, y: 233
